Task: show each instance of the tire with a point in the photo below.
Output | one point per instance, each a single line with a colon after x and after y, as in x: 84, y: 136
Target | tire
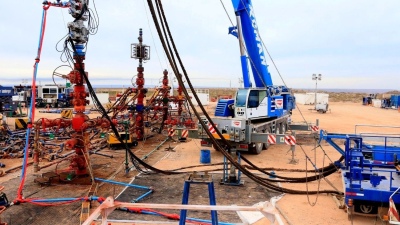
x: 256, y: 148
x: 366, y: 209
x: 215, y: 148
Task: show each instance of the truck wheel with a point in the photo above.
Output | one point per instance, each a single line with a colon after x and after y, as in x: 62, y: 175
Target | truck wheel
x: 215, y: 147
x: 366, y: 209
x: 256, y: 148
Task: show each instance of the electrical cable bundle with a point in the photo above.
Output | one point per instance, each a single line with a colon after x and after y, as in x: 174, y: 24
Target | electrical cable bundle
x: 224, y: 149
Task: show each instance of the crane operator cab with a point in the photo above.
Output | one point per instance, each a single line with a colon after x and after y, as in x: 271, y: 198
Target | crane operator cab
x: 261, y: 103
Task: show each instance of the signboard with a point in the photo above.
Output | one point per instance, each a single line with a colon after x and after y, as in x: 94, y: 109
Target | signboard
x: 279, y: 103
x: 236, y: 123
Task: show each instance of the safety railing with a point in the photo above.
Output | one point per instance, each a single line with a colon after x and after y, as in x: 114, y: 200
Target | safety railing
x: 267, y: 209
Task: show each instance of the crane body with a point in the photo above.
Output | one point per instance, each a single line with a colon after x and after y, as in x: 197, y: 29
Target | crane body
x: 265, y: 100
x: 258, y: 110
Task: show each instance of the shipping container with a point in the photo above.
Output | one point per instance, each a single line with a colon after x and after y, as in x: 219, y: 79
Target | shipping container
x: 309, y: 98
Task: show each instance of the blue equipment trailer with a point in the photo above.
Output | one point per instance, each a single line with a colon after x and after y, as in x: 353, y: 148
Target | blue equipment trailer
x: 6, y: 94
x: 370, y: 170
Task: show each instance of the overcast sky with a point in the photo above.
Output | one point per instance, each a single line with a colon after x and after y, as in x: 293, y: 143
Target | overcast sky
x: 353, y: 44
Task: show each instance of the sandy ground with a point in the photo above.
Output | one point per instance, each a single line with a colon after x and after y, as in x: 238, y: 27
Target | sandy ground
x: 302, y: 209
x: 295, y: 209
x: 343, y: 118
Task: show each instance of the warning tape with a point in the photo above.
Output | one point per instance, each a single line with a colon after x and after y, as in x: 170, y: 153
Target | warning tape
x: 393, y: 213
x: 66, y: 114
x: 171, y: 132
x: 271, y: 139
x: 211, y: 128
x: 314, y: 128
x: 185, y: 133
x: 21, y: 124
x: 290, y: 140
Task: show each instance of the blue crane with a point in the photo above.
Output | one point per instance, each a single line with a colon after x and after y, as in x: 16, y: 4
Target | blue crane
x: 263, y: 101
x: 260, y: 110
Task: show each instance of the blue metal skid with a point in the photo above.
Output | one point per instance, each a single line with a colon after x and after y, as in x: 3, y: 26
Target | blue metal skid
x: 369, y: 171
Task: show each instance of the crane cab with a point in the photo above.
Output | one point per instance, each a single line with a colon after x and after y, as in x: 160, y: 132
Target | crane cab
x: 260, y: 103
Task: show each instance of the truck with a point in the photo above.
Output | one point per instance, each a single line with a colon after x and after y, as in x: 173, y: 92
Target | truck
x: 23, y: 94
x: 258, y: 110
x: 54, y: 96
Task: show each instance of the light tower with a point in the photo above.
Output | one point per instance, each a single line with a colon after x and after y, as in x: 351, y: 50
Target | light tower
x: 316, y: 78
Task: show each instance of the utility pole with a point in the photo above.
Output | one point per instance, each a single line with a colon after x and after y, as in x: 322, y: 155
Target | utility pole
x: 316, y: 78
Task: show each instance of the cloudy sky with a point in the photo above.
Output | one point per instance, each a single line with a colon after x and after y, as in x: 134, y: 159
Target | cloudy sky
x: 353, y: 44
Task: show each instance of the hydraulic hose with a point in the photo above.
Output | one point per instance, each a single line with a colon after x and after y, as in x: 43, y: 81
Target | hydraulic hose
x: 31, y: 113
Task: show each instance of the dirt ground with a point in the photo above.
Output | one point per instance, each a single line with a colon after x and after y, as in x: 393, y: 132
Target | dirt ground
x: 295, y: 209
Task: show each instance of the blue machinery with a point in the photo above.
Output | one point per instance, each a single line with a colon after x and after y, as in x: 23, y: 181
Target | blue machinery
x: 229, y: 175
x: 265, y: 100
x: 257, y: 110
x: 370, y: 170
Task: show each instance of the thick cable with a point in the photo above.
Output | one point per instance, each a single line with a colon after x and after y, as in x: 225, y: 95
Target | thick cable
x: 179, y: 78
x: 226, y: 154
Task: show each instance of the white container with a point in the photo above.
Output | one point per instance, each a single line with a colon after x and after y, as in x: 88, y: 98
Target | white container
x: 322, y: 98
x: 103, y: 98
x: 310, y: 99
x: 203, y: 95
x: 300, y: 98
x: 376, y: 103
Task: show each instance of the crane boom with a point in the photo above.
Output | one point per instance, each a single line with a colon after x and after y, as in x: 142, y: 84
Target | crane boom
x: 248, y: 29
